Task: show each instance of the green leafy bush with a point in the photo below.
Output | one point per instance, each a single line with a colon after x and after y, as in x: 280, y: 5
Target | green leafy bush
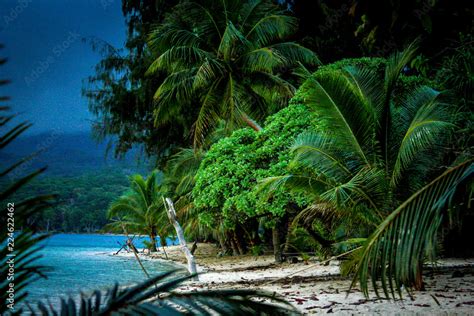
x: 226, y: 183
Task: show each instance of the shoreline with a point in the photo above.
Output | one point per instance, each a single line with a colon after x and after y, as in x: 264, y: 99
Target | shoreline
x: 314, y: 288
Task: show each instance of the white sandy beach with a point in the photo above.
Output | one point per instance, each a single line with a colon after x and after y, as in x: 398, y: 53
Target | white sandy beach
x: 315, y: 288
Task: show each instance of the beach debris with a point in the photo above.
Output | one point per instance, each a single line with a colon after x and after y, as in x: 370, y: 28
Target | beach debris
x: 169, y: 206
x: 422, y: 305
x: 125, y: 246
x: 435, y: 299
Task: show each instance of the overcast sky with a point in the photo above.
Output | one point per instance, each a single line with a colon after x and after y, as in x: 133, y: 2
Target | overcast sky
x: 47, y: 59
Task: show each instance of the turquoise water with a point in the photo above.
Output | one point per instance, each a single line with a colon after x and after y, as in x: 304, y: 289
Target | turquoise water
x: 84, y: 263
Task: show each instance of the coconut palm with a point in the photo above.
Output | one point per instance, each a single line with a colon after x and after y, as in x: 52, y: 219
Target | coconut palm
x: 141, y: 210
x: 224, y: 60
x: 377, y: 152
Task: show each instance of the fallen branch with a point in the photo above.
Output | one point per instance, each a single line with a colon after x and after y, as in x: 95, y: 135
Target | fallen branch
x: 312, y: 266
x: 169, y: 206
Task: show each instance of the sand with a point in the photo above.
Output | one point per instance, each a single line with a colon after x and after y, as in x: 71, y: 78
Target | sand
x: 312, y: 287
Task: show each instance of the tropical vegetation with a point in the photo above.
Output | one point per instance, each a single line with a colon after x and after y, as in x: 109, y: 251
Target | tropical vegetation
x: 155, y: 296
x: 359, y: 155
x: 271, y: 133
x: 372, y: 166
x: 82, y: 200
x: 141, y: 210
x: 224, y: 66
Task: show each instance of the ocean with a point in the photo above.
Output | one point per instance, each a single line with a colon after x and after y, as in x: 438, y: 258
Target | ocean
x: 85, y: 262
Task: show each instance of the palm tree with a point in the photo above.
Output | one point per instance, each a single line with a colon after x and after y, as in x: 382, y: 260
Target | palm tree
x: 378, y: 150
x: 141, y: 209
x: 224, y: 60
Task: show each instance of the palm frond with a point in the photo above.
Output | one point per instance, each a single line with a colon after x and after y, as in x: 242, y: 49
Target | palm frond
x: 427, y: 126
x: 13, y: 133
x: 208, y: 72
x: 296, y: 54
x: 177, y: 87
x: 22, y: 247
x: 395, y: 64
x: 367, y: 186
x: 25, y: 255
x: 332, y: 96
x: 263, y: 59
x: 311, y: 186
x: 177, y: 57
x: 209, y: 113
x: 232, y: 41
x: 271, y: 28
x: 157, y: 296
x: 321, y: 153
x: 368, y: 84
x: 394, y: 253
x: 163, y: 37
x: 206, y: 24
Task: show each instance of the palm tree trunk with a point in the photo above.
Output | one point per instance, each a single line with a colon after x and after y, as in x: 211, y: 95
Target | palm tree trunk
x: 153, y: 241
x: 286, y: 248
x: 277, y: 242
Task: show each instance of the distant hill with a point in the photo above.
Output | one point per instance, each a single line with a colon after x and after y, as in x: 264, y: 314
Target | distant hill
x: 66, y: 154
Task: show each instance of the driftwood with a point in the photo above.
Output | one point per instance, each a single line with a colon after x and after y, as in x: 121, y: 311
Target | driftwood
x: 164, y: 251
x: 124, y: 246
x: 179, y: 231
x: 132, y: 247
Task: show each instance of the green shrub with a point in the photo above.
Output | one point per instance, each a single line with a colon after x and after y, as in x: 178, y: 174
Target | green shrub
x: 226, y: 181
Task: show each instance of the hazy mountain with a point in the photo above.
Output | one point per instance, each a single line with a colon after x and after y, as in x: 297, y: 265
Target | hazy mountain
x: 65, y: 154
